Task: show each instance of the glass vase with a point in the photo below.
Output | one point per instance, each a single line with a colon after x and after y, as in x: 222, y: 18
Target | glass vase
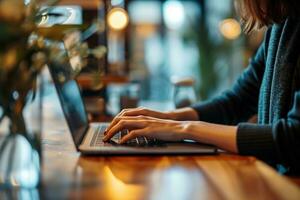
x: 20, y: 140
x: 184, y: 92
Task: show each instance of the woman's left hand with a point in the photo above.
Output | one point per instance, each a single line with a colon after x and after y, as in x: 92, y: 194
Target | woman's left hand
x: 149, y: 127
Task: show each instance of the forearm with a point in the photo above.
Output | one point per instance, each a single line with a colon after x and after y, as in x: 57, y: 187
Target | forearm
x: 183, y: 114
x: 219, y: 135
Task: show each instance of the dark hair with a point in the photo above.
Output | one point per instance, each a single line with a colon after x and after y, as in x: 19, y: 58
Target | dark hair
x: 256, y: 14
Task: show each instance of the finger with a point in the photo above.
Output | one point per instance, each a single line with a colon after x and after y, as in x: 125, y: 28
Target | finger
x: 133, y: 134
x: 135, y: 112
x: 124, y: 112
x: 145, y: 112
x: 122, y: 125
x: 118, y: 119
x: 113, y: 122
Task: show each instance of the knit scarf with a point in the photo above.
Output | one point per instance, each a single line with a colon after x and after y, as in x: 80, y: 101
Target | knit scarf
x: 282, y: 72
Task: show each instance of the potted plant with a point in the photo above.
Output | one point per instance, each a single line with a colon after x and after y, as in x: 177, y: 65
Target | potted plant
x: 25, y: 48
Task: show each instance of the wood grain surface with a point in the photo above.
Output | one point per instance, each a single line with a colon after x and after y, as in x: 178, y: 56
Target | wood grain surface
x: 68, y: 175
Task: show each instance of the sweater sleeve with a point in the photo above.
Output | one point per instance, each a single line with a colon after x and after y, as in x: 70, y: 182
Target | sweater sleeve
x: 278, y: 142
x: 239, y: 103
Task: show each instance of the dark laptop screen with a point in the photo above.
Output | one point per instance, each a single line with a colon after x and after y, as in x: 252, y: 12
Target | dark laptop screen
x: 71, y: 102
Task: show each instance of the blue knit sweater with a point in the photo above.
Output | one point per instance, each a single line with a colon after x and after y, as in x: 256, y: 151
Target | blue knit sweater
x: 269, y: 87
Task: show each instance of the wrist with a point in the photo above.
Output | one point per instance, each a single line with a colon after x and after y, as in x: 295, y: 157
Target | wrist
x: 186, y: 130
x: 181, y: 130
x: 219, y: 135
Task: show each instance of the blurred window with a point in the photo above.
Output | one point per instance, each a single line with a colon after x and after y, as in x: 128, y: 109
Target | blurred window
x: 173, y: 38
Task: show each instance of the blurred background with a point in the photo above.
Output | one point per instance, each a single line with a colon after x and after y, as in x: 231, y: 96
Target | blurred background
x: 155, y: 47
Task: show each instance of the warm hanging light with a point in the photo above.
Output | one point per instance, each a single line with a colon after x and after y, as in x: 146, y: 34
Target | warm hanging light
x: 117, y: 19
x: 230, y: 28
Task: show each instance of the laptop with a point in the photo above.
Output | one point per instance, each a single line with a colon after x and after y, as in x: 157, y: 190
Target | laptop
x: 88, y: 137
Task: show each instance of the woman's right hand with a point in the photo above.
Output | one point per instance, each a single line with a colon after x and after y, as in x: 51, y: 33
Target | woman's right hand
x: 141, y: 111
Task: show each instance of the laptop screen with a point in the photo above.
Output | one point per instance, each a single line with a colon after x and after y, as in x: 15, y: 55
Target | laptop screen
x: 71, y: 101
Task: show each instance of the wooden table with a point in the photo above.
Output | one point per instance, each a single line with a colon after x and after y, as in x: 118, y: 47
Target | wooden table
x: 68, y: 175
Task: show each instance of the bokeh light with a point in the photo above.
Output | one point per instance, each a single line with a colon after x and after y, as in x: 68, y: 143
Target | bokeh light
x: 230, y: 28
x: 117, y: 19
x: 173, y: 13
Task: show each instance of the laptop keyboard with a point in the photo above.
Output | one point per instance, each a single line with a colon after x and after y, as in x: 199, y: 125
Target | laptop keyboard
x: 139, y: 141
x: 98, y: 136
